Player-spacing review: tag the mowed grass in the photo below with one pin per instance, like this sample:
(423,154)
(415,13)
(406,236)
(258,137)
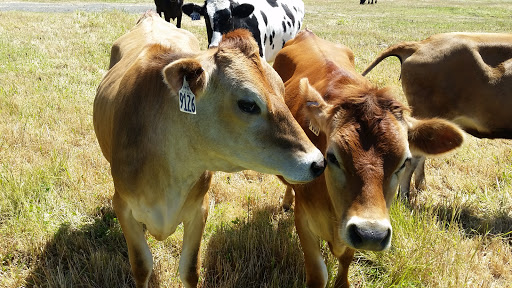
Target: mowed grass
(57,226)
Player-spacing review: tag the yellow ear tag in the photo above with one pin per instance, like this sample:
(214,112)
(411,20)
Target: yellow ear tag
(314,129)
(187,98)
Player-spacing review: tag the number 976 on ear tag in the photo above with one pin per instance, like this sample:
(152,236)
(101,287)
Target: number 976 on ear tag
(187,98)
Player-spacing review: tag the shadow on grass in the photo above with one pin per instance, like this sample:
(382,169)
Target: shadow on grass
(471,224)
(477,225)
(94,255)
(262,251)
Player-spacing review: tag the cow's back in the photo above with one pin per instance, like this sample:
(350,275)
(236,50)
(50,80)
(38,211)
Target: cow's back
(126,51)
(464,77)
(310,56)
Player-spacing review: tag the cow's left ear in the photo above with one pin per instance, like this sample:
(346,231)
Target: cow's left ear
(242,10)
(316,109)
(191,69)
(193,10)
(433,136)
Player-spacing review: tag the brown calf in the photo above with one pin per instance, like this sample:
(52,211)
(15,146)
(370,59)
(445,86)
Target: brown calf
(365,135)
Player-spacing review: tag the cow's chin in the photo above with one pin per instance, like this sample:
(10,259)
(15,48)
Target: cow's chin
(294,182)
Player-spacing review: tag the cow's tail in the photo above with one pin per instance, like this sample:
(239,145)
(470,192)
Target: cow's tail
(402,51)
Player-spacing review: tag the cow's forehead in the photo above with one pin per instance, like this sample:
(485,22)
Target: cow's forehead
(254,75)
(216,5)
(387,141)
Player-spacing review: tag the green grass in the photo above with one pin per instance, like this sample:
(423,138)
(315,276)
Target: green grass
(57,226)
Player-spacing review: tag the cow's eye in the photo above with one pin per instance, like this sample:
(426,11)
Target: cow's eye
(332,159)
(248,106)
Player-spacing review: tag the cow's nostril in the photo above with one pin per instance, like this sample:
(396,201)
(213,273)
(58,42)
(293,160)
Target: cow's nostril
(386,239)
(317,167)
(354,235)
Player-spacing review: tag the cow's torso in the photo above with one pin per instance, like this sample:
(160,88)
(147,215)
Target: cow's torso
(464,77)
(280,21)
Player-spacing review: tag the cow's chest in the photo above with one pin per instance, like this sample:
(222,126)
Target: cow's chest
(162,209)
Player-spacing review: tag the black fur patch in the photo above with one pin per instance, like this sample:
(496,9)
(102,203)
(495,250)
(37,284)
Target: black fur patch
(272,3)
(288,12)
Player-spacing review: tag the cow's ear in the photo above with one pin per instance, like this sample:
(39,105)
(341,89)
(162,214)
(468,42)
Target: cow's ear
(316,109)
(175,72)
(190,8)
(242,10)
(433,136)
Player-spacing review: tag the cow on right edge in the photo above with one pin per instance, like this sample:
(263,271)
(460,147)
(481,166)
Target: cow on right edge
(463,77)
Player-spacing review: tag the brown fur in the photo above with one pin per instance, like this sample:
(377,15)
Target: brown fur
(364,131)
(162,159)
(463,77)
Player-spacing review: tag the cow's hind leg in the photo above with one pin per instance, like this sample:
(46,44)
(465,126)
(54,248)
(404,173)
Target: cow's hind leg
(193,232)
(344,262)
(289,195)
(139,254)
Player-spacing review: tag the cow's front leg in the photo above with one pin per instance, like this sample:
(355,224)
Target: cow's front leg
(405,180)
(190,259)
(289,195)
(139,254)
(316,270)
(343,264)
(419,174)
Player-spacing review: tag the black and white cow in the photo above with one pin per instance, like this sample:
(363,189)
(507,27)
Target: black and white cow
(271,22)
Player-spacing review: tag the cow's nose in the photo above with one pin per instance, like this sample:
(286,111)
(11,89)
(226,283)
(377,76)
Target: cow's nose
(369,237)
(318,167)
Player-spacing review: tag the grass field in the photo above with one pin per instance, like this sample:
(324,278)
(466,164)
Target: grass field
(57,226)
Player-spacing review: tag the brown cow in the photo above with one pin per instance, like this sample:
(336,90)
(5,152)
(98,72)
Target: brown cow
(365,134)
(462,77)
(161,157)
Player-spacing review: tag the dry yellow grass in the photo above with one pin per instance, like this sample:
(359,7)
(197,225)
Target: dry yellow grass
(57,227)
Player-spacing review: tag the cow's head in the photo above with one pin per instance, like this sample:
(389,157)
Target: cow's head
(219,17)
(369,140)
(241,117)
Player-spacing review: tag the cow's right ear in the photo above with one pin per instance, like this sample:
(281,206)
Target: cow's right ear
(428,137)
(316,109)
(191,69)
(192,10)
(242,10)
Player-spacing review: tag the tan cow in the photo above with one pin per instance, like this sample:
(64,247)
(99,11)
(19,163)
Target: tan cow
(161,157)
(462,77)
(365,134)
